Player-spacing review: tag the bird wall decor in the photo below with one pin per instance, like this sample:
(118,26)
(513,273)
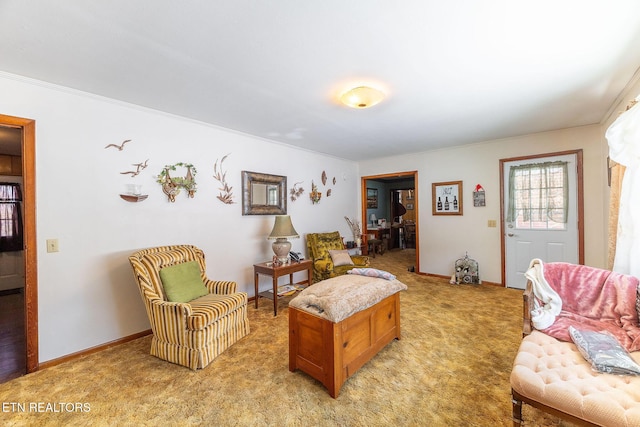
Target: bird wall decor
(139,168)
(119,147)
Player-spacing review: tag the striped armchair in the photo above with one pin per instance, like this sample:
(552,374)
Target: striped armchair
(190,334)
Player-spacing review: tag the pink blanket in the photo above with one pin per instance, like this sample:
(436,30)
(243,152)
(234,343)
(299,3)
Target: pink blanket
(596,300)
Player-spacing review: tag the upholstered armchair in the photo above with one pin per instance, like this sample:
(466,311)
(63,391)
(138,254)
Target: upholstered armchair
(319,246)
(194,332)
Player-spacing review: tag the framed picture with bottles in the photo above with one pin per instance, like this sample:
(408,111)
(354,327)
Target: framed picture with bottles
(446,198)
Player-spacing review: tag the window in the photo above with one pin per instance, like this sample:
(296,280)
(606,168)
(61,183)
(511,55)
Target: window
(10,217)
(538,196)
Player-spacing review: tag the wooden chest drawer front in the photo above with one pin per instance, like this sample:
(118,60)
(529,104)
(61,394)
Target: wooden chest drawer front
(311,329)
(384,319)
(362,330)
(366,332)
(356,335)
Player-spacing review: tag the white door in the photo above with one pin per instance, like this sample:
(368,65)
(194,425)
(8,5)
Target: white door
(543,196)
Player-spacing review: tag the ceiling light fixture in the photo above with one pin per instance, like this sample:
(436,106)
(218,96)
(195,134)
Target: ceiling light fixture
(361,97)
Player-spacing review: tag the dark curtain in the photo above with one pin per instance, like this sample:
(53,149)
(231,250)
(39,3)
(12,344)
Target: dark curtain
(10,217)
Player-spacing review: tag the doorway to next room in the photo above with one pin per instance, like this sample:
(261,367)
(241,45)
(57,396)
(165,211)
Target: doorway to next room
(390,213)
(18,263)
(12,278)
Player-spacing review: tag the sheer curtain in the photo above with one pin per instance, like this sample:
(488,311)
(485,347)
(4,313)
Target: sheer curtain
(624,148)
(10,217)
(538,192)
(616,172)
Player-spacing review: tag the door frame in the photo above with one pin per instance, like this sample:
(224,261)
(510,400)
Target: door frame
(580,203)
(416,204)
(28,127)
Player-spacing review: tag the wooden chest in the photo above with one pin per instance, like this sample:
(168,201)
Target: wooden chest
(333,352)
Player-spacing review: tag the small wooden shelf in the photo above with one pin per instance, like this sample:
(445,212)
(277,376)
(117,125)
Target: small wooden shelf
(134,198)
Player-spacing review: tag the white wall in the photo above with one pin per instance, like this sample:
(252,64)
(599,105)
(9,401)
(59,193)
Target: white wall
(443,239)
(86,292)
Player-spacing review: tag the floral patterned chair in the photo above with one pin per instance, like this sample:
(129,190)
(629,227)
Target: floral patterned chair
(325,266)
(195,332)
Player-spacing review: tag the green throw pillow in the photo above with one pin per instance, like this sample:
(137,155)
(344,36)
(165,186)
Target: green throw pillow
(182,282)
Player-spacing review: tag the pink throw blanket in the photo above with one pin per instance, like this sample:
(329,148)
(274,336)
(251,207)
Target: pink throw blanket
(594,299)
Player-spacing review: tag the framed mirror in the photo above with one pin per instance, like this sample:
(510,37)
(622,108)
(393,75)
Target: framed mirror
(263,194)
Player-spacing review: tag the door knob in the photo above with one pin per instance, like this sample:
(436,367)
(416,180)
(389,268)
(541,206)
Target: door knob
(510,234)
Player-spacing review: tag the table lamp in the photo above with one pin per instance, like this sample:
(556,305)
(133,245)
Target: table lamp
(373,219)
(282,230)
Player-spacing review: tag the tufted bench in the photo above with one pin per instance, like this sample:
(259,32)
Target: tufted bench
(551,374)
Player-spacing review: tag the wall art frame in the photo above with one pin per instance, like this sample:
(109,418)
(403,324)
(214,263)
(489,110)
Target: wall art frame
(372,198)
(446,198)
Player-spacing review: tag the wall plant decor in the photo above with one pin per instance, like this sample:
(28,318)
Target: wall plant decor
(225,196)
(296,191)
(315,195)
(171,185)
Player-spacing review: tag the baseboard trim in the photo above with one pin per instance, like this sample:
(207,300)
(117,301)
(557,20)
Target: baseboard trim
(96,349)
(442,276)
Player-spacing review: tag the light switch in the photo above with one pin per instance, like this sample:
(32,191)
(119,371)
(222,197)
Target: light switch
(52,245)
(492,223)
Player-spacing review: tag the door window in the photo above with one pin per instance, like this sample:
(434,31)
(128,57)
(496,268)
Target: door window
(538,196)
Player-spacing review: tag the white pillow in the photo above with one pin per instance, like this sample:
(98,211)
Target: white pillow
(340,257)
(372,272)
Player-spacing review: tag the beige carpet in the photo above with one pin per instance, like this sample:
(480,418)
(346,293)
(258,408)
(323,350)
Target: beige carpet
(451,368)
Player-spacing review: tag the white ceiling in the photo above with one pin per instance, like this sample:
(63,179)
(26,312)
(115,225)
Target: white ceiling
(455,72)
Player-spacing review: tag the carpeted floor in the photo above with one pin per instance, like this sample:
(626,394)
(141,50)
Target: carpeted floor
(451,368)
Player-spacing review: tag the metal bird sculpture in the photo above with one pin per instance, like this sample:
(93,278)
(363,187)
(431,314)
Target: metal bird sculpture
(119,147)
(139,168)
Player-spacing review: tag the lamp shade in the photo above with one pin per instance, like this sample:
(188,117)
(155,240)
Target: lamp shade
(283,228)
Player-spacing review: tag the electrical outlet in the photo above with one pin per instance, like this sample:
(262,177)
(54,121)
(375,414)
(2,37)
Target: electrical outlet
(492,223)
(52,245)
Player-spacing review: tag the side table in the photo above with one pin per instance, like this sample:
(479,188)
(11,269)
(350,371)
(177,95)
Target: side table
(267,269)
